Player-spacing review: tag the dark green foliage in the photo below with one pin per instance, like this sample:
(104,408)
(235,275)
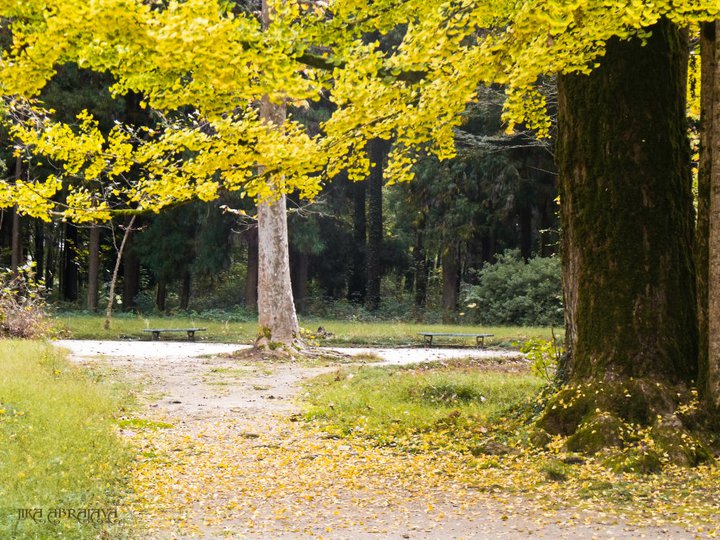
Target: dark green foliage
(518,293)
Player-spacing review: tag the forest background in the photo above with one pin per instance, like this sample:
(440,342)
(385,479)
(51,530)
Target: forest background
(425,250)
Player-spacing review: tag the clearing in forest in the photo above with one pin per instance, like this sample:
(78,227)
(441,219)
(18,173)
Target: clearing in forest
(225,451)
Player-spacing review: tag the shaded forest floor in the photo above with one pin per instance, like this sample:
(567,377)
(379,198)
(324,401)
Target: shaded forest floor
(223,452)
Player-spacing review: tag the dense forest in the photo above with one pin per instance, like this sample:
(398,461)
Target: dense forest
(411,249)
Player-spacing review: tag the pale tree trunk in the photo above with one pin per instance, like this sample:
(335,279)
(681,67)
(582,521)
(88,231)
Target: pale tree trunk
(93,268)
(116,270)
(709,377)
(276,310)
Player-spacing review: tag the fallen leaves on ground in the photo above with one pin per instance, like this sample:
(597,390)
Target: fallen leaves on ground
(244,476)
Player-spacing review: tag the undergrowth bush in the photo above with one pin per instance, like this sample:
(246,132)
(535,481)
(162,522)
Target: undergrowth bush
(23,311)
(514,292)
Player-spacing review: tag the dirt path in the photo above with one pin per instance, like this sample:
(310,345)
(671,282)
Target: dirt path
(222,458)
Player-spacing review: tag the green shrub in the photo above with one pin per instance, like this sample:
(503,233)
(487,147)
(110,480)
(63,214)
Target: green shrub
(514,292)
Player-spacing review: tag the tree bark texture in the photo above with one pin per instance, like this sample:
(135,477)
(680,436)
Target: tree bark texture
(627,220)
(276,308)
(378,150)
(93,268)
(709,201)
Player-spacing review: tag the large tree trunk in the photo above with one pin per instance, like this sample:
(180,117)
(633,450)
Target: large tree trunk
(627,228)
(378,150)
(93,268)
(358,272)
(709,219)
(276,309)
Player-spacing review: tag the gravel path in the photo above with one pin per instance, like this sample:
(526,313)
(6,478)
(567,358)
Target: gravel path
(241,469)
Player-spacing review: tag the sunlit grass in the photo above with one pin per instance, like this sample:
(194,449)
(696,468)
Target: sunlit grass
(411,405)
(59,447)
(343,333)
(471,422)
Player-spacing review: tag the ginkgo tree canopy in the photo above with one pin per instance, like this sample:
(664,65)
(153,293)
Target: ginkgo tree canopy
(203,66)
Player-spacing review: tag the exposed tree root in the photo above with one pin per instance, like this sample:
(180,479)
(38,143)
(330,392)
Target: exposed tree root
(634,425)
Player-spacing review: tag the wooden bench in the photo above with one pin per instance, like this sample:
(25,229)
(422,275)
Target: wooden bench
(479,338)
(157,331)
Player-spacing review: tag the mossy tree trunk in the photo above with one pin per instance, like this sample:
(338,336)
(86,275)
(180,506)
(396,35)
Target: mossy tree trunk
(93,268)
(708,259)
(377,151)
(627,220)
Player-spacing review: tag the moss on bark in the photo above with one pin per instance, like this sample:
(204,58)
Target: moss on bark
(626,205)
(627,217)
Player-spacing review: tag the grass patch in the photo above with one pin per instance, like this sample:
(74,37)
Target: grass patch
(343,333)
(471,423)
(59,447)
(437,404)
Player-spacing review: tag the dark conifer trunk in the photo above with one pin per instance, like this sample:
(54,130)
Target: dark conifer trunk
(39,248)
(525,219)
(16,255)
(299,267)
(627,227)
(421,270)
(131,276)
(451,282)
(70,268)
(161,295)
(93,268)
(185,290)
(52,257)
(358,265)
(378,150)
(251,279)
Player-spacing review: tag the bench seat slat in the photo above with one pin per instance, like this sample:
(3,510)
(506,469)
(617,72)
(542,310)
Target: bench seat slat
(479,337)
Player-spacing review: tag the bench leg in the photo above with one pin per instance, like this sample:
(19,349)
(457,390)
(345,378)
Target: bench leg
(480,342)
(156,336)
(191,335)
(428,341)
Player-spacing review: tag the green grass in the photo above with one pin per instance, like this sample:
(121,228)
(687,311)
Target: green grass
(417,406)
(345,333)
(59,448)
